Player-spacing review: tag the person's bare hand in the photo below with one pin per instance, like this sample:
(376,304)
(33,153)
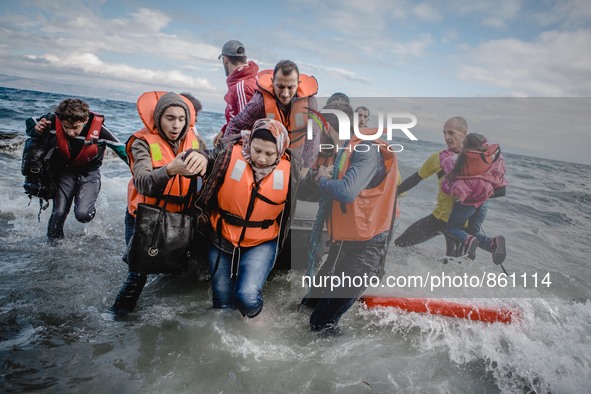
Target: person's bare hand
(323,171)
(177,166)
(42,125)
(196,163)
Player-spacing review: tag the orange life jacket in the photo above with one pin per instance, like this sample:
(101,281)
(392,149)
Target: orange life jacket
(479,162)
(89,150)
(296,121)
(328,160)
(161,153)
(146,104)
(371,212)
(249,214)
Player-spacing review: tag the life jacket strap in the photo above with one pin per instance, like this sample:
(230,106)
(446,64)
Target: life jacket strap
(236,220)
(265,199)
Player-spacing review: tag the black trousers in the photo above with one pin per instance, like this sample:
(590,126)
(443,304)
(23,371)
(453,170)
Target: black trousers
(423,230)
(130,292)
(80,188)
(349,261)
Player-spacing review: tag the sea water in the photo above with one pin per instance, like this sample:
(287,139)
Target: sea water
(56,334)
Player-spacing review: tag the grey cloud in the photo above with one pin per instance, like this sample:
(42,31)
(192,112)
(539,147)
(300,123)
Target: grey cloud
(555,64)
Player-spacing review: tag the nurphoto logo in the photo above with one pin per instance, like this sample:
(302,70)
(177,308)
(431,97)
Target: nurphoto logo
(365,134)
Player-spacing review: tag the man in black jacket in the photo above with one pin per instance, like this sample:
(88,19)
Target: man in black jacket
(76,160)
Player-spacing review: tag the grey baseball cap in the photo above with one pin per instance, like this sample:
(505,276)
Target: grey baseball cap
(233,48)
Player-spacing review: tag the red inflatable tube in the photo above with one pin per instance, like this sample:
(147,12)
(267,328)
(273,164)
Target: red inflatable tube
(444,308)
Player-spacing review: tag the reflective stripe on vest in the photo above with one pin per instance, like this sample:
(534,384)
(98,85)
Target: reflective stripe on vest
(238,194)
(161,154)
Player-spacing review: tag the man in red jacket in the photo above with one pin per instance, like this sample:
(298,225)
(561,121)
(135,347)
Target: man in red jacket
(241,78)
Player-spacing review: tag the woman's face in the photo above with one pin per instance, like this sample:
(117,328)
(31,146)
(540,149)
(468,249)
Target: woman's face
(263,153)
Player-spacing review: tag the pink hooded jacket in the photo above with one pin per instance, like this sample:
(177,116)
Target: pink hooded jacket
(471,190)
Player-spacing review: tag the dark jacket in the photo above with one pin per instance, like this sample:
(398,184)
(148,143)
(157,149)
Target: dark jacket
(74,144)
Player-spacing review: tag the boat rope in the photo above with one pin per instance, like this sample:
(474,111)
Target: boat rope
(315,234)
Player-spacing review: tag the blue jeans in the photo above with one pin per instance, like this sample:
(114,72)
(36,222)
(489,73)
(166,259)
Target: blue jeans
(244,288)
(475,217)
(129,225)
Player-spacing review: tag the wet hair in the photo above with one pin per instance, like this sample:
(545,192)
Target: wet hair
(362,108)
(338,96)
(72,110)
(286,67)
(196,103)
(332,118)
(263,134)
(472,141)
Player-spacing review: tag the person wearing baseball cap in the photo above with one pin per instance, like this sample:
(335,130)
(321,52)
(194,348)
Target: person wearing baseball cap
(233,48)
(240,78)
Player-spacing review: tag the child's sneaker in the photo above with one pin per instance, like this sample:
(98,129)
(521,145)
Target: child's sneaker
(498,250)
(471,246)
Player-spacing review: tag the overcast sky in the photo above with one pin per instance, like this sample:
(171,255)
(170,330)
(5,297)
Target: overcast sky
(389,48)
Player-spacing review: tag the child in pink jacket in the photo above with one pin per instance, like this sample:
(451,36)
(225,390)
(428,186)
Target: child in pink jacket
(473,176)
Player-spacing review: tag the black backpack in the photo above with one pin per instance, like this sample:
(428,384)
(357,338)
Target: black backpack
(36,167)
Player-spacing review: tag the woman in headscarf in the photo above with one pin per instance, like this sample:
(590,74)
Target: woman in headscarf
(252,203)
